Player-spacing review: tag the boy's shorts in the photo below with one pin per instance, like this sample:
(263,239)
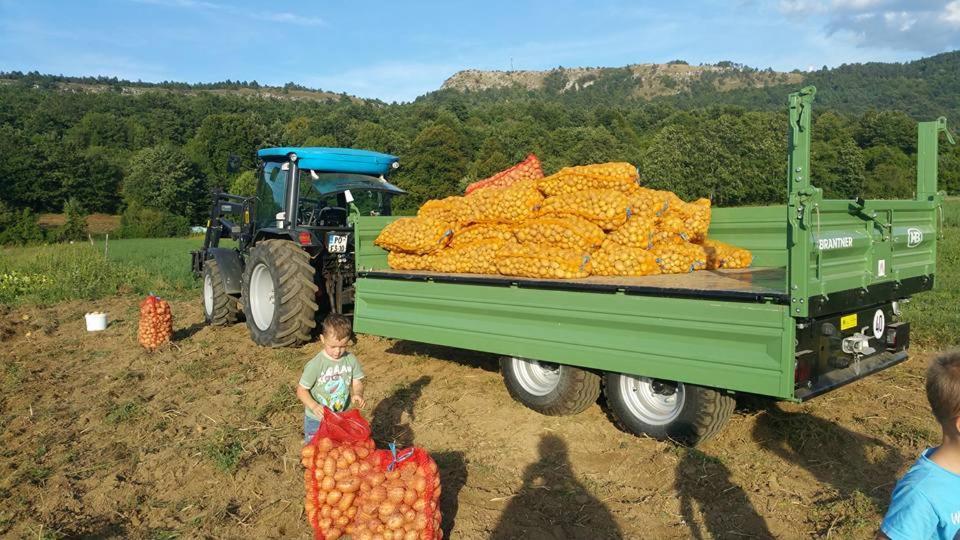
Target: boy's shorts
(310,426)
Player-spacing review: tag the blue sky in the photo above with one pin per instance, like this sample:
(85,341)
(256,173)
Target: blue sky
(396,51)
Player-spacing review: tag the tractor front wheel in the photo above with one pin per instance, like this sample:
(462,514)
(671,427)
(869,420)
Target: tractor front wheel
(219,308)
(279,294)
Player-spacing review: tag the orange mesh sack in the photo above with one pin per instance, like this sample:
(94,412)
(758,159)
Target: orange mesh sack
(482,232)
(637,232)
(418,236)
(156,323)
(619,176)
(528,169)
(407,261)
(336,460)
(690,220)
(475,258)
(399,497)
(679,258)
(608,208)
(614,259)
(723,255)
(562,231)
(542,261)
(508,205)
(650,201)
(452,210)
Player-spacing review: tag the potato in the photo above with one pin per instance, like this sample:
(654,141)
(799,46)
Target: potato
(333,497)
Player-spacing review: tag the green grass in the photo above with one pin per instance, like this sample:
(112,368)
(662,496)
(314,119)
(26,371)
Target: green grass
(934,317)
(224,449)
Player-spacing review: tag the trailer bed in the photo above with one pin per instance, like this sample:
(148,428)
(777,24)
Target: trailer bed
(760,284)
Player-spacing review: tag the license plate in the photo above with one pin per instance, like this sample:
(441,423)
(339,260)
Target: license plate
(337,243)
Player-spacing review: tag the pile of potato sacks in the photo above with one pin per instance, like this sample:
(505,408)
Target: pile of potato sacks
(355,491)
(582,221)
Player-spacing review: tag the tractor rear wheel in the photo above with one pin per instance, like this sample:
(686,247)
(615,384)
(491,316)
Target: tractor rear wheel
(279,294)
(219,308)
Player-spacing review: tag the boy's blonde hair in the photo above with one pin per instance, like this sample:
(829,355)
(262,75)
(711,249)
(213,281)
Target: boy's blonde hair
(337,326)
(943,386)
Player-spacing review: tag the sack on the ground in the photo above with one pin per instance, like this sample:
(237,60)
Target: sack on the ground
(418,236)
(562,231)
(483,232)
(508,205)
(680,257)
(156,323)
(618,176)
(542,261)
(608,208)
(528,169)
(334,460)
(399,497)
(723,255)
(614,259)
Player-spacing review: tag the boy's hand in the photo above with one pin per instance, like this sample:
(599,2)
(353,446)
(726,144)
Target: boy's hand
(358,401)
(318,410)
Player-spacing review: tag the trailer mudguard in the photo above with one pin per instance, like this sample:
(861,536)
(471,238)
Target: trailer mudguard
(230,265)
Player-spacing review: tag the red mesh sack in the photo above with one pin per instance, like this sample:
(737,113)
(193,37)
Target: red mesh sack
(528,169)
(156,323)
(400,497)
(335,459)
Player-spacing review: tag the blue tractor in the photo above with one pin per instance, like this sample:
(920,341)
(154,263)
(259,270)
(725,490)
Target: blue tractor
(292,257)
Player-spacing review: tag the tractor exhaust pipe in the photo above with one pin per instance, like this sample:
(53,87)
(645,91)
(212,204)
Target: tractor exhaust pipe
(292,206)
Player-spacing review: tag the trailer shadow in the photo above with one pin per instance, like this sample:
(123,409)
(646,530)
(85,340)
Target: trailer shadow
(850,462)
(551,503)
(484,361)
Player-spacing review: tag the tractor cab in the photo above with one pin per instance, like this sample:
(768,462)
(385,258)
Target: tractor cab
(294,256)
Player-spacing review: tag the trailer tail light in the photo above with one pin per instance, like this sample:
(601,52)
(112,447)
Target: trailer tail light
(305,238)
(897,337)
(802,368)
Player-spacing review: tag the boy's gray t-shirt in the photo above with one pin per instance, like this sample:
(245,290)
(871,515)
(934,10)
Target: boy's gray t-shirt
(329,381)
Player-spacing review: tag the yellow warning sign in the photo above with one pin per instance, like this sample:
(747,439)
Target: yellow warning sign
(848,321)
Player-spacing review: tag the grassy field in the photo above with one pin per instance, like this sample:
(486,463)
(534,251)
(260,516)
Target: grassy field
(45,275)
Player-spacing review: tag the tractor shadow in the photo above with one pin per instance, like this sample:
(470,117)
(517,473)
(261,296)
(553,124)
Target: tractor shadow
(181,334)
(552,504)
(484,361)
(390,423)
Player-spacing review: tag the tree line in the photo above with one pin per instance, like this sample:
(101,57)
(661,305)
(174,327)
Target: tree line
(154,155)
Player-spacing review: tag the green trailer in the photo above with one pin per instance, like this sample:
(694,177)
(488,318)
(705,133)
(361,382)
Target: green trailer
(820,307)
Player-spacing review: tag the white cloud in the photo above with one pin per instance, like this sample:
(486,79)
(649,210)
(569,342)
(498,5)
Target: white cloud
(951,13)
(282,17)
(856,4)
(791,7)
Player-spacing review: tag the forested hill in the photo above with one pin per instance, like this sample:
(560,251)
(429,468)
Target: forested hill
(152,152)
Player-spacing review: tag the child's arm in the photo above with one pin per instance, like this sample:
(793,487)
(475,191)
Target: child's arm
(356,393)
(304,396)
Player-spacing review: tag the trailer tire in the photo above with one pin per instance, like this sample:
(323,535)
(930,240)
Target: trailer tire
(279,294)
(551,389)
(684,413)
(219,308)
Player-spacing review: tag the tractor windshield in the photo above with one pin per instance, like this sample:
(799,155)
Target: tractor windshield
(331,183)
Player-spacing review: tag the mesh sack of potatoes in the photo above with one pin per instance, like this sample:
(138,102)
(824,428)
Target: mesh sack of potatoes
(476,258)
(637,232)
(452,210)
(561,231)
(723,255)
(614,259)
(608,208)
(528,169)
(540,261)
(690,220)
(650,201)
(481,232)
(407,261)
(508,205)
(415,235)
(619,176)
(680,257)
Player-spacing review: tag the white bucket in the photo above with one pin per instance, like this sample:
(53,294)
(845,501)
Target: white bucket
(96,321)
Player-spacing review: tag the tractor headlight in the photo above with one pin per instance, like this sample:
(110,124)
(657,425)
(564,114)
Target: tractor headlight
(292,157)
(395,165)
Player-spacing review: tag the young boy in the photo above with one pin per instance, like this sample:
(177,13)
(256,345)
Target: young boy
(926,501)
(333,378)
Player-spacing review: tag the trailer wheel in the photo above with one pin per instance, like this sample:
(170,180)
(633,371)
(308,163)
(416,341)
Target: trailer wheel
(279,294)
(551,389)
(219,308)
(684,413)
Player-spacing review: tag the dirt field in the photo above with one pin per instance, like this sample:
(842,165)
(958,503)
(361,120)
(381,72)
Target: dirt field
(201,440)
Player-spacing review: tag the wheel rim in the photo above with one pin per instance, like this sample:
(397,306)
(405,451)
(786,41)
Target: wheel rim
(646,404)
(537,378)
(208,295)
(261,296)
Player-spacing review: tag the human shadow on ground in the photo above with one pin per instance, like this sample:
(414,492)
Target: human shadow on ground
(552,504)
(390,423)
(849,461)
(485,361)
(724,505)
